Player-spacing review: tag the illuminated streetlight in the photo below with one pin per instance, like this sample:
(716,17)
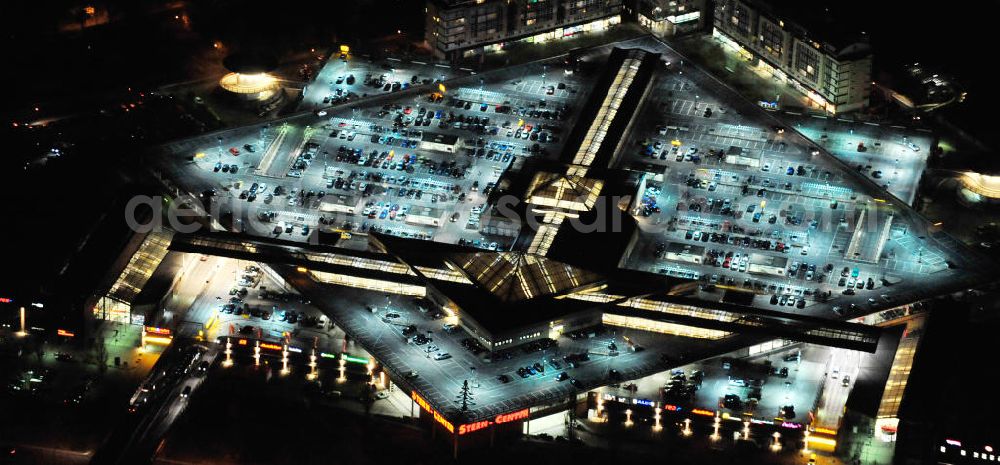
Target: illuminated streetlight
(628,417)
(656,420)
(256,354)
(284,360)
(342,369)
(312,367)
(746,430)
(776,445)
(229,354)
(805,443)
(715,433)
(23,332)
(687,427)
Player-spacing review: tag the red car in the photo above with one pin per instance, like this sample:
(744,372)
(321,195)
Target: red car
(234,151)
(407,110)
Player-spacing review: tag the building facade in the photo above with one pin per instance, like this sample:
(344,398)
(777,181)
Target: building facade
(669,18)
(803,48)
(463,28)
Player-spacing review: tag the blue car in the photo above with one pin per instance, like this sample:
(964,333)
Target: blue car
(382,215)
(790,171)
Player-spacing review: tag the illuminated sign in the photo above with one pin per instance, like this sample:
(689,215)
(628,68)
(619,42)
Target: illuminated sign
(345,48)
(953,442)
(823,441)
(826,431)
(437,416)
(63,332)
(672,408)
(295,349)
(268,345)
(498,420)
(6,300)
(768,105)
(473,426)
(791,425)
(243,342)
(353,359)
(707,413)
(509,417)
(647,403)
(327,355)
(161,331)
(157,340)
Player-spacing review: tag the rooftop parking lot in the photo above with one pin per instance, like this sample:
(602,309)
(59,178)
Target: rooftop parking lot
(891,156)
(382,325)
(347,78)
(417,165)
(732,197)
(758,387)
(736,199)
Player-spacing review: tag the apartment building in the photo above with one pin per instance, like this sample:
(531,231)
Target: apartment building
(669,18)
(462,28)
(803,44)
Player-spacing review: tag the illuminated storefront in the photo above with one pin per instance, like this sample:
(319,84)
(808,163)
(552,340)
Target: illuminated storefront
(369,283)
(116,304)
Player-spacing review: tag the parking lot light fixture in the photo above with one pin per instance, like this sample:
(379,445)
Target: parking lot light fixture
(312,367)
(628,417)
(656,420)
(23,332)
(687,427)
(776,445)
(229,354)
(343,369)
(715,434)
(805,442)
(284,360)
(746,430)
(256,354)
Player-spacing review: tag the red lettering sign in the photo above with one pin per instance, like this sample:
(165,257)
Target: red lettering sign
(63,332)
(509,417)
(437,416)
(474,426)
(163,331)
(707,413)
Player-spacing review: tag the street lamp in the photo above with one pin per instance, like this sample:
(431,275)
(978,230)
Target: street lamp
(312,366)
(229,354)
(284,360)
(23,332)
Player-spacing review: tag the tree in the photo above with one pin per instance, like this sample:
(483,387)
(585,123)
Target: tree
(465,395)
